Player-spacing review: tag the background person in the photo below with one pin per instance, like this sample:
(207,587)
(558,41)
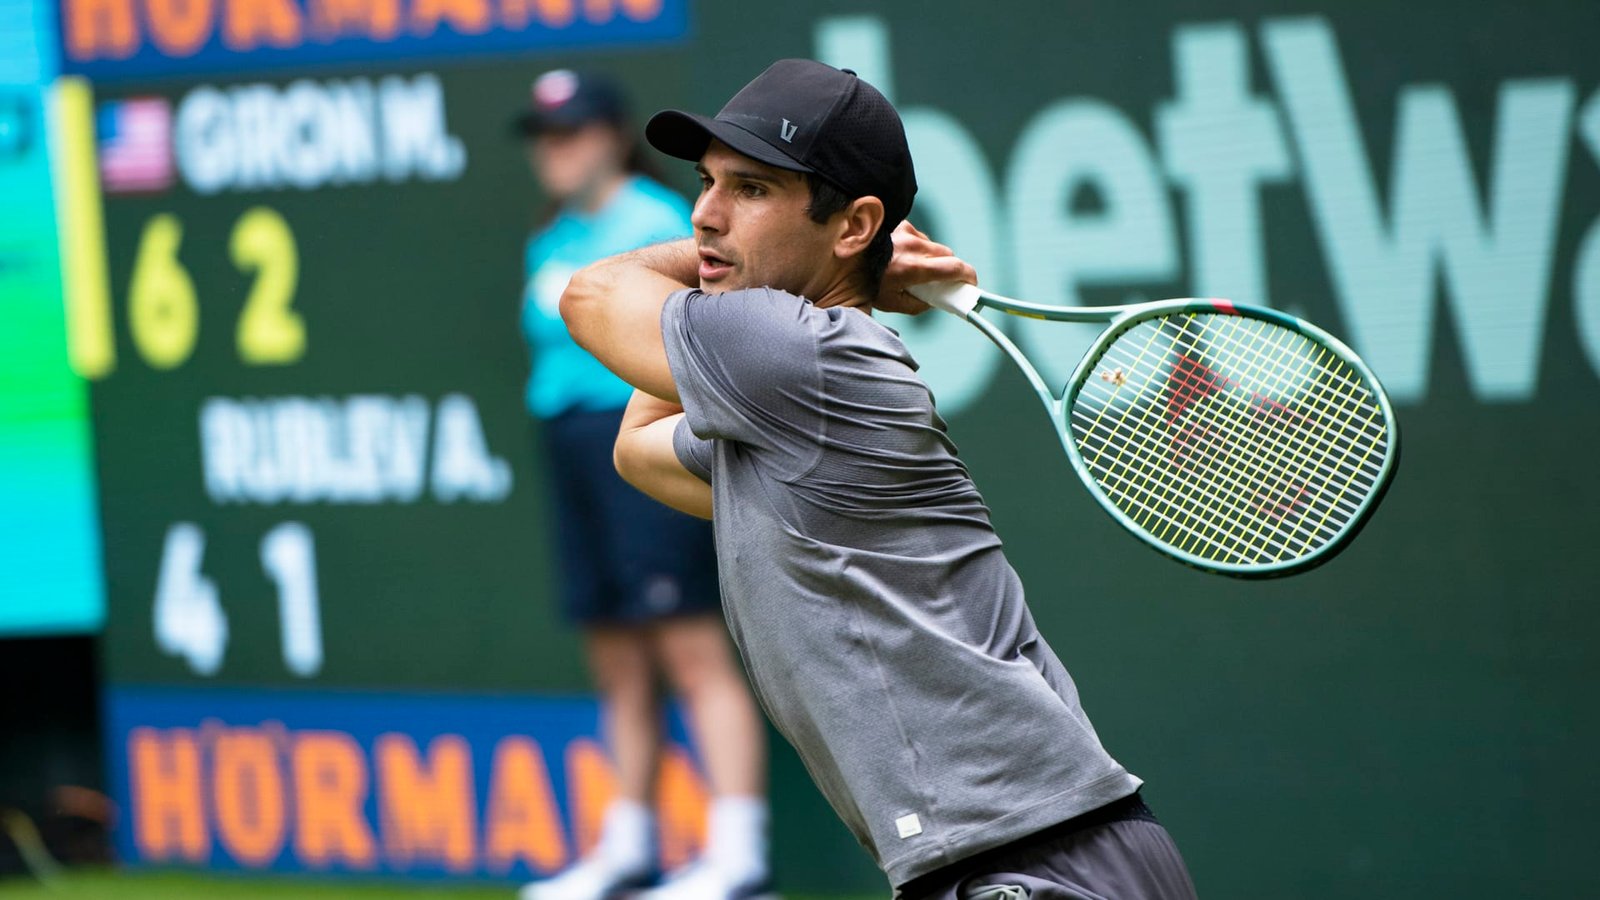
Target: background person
(638,578)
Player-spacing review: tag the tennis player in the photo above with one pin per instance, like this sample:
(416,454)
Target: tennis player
(881,624)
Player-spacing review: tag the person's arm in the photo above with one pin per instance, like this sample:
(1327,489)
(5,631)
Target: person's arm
(646,458)
(613,310)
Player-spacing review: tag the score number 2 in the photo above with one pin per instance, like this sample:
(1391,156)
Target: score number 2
(190,622)
(164,311)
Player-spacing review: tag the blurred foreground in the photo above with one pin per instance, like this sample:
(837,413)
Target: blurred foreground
(128,886)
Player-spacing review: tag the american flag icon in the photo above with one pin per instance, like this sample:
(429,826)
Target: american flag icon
(135,138)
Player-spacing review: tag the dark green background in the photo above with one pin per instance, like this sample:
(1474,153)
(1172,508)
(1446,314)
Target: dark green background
(1416,719)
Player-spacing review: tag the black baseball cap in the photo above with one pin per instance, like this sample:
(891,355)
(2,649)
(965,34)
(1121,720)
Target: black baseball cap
(804,116)
(563,99)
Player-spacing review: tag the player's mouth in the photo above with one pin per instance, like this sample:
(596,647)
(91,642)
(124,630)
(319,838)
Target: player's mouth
(713,267)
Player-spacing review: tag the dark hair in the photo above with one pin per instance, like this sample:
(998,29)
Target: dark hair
(826,202)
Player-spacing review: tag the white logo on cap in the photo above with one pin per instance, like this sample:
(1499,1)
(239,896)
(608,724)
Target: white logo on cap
(788,131)
(555,88)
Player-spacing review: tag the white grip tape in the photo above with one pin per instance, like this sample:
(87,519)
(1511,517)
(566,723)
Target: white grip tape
(955,297)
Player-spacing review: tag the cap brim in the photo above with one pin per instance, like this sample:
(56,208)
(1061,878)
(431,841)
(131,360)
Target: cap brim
(686,135)
(526,124)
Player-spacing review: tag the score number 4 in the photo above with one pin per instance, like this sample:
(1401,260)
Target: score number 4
(164,311)
(190,622)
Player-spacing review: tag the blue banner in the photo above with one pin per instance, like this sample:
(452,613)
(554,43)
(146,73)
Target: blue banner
(416,786)
(111,40)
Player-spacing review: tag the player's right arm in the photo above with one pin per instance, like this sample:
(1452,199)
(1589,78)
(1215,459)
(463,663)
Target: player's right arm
(647,458)
(613,310)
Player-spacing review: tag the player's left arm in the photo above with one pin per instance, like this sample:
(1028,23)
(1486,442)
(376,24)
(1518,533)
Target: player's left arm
(613,310)
(646,456)
(918,259)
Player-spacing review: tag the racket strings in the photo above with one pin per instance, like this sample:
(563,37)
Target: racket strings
(1295,457)
(1349,411)
(1230,437)
(1202,521)
(1265,498)
(1300,442)
(1167,492)
(1159,501)
(1292,458)
(1183,394)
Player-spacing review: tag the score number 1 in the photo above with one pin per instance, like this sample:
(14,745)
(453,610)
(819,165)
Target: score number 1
(189,619)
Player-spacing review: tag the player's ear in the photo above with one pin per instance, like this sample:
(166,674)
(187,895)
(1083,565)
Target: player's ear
(859,222)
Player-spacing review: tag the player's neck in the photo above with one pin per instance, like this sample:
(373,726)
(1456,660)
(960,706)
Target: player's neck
(846,292)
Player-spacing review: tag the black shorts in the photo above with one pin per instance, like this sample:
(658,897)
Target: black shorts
(624,558)
(1117,852)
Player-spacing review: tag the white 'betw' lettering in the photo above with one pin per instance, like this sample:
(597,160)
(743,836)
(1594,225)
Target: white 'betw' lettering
(1219,143)
(1497,272)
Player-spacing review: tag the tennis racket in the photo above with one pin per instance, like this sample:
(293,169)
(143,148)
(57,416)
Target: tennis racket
(1236,439)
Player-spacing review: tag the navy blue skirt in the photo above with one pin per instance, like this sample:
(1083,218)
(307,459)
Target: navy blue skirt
(624,558)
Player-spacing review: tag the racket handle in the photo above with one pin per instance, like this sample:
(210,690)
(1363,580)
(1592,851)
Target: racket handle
(955,297)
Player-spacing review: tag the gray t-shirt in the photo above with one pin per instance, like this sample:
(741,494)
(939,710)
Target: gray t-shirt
(883,629)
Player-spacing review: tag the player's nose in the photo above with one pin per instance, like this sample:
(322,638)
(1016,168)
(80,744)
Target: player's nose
(708,214)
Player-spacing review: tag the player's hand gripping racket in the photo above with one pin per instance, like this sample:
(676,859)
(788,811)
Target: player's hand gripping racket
(1236,439)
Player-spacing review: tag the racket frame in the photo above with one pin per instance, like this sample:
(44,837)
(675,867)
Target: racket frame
(965,301)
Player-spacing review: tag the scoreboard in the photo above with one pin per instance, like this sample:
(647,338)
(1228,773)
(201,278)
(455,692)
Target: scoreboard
(295,292)
(309,399)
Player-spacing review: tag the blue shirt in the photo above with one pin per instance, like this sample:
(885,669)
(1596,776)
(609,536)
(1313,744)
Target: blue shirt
(565,377)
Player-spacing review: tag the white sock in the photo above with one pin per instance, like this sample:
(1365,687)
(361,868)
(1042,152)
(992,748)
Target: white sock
(737,840)
(627,837)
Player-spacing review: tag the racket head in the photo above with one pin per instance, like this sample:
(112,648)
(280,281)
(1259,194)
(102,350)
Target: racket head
(1236,439)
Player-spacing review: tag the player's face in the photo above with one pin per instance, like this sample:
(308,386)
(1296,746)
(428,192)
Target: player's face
(752,229)
(571,163)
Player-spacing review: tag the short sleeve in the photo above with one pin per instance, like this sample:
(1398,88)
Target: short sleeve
(694,452)
(746,367)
